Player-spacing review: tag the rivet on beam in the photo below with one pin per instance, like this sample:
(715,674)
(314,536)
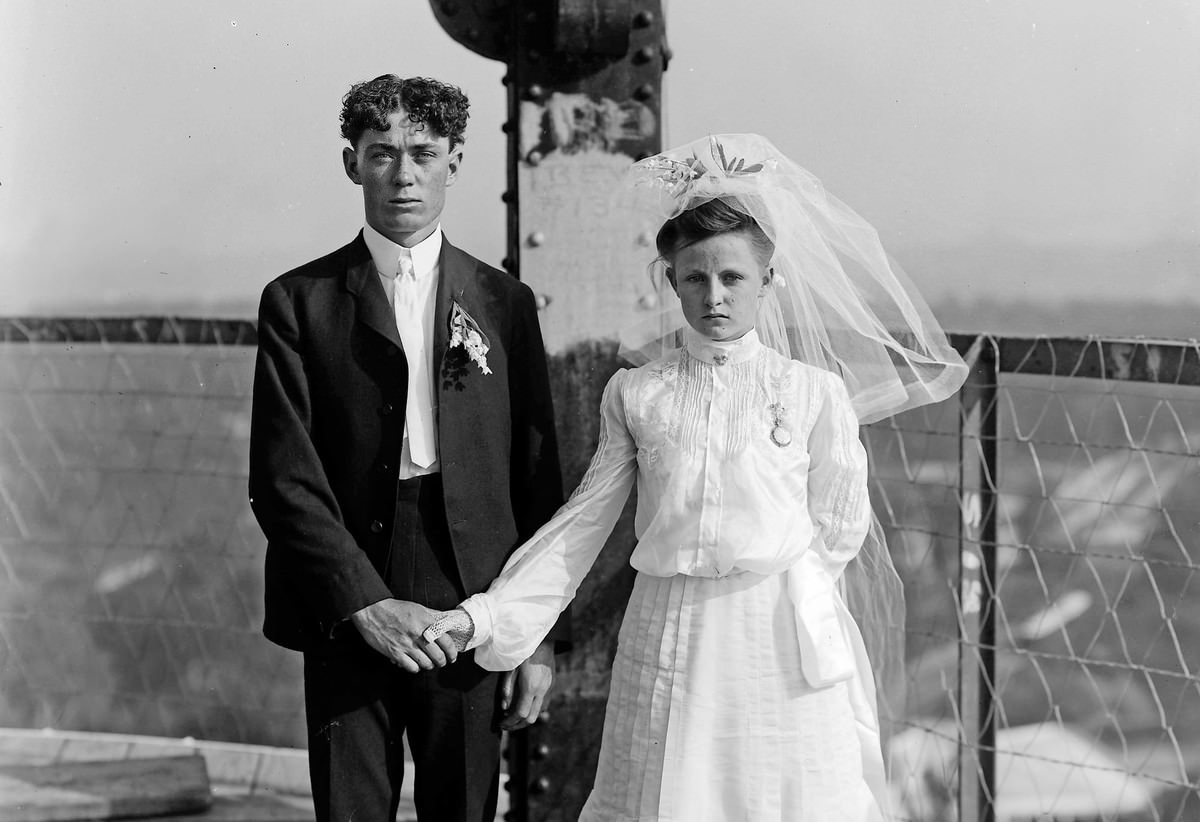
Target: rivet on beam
(507,264)
(534,158)
(544,716)
(506,126)
(541,751)
(541,785)
(644,55)
(534,55)
(542,301)
(536,92)
(537,238)
(643,92)
(648,302)
(643,19)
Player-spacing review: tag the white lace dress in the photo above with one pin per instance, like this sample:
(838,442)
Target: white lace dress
(740,689)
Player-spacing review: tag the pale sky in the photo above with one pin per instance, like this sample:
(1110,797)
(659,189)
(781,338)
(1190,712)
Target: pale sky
(161,155)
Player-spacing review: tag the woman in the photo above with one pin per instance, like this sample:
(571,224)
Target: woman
(741,689)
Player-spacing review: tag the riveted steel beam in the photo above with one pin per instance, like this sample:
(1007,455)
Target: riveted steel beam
(584,86)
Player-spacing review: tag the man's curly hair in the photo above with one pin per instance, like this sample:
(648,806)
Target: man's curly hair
(440,106)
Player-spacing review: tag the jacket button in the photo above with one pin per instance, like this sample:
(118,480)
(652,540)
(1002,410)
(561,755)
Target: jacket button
(376,526)
(387,409)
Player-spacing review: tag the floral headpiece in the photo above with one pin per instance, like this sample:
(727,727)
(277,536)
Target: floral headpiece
(684,179)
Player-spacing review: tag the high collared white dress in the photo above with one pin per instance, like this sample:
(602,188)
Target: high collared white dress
(740,689)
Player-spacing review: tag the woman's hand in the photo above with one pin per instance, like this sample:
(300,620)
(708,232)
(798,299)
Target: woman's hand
(455,627)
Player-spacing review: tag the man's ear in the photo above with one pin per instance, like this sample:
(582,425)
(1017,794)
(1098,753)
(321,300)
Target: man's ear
(350,163)
(455,160)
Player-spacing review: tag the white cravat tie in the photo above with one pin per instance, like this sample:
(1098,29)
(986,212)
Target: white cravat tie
(418,411)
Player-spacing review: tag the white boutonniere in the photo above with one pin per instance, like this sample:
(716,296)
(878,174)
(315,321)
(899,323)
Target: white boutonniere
(465,333)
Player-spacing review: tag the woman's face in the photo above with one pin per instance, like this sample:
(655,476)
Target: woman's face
(719,281)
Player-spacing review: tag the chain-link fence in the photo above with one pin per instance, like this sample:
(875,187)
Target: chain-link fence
(130,565)
(1049,554)
(1044,524)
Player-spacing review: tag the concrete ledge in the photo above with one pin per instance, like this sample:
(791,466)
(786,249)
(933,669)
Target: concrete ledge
(251,783)
(249,768)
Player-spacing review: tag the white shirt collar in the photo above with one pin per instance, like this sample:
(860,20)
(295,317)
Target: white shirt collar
(723,352)
(386,253)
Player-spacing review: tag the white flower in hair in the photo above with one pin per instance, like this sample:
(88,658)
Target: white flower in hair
(690,177)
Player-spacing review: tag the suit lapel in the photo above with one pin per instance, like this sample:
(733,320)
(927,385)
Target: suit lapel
(457,433)
(371,303)
(456,283)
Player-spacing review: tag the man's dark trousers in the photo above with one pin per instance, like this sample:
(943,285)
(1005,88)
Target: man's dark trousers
(358,703)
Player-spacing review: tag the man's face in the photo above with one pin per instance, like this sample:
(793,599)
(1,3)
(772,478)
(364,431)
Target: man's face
(720,281)
(404,172)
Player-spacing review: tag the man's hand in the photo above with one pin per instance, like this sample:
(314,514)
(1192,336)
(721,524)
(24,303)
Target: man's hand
(393,628)
(522,691)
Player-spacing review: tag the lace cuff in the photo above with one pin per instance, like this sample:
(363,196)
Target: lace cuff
(457,624)
(479,609)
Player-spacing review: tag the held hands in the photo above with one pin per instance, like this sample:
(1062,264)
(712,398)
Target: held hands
(393,628)
(523,691)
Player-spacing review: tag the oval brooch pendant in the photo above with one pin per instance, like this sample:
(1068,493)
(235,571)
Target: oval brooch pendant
(781,436)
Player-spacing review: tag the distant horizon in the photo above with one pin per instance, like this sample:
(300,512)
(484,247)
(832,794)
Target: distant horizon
(993,284)
(988,286)
(1153,319)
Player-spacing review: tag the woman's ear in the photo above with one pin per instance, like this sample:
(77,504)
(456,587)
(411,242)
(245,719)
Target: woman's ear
(768,275)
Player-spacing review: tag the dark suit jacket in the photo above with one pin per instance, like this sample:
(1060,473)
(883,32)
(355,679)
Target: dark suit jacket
(328,420)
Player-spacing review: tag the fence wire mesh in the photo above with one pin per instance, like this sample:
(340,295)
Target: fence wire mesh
(1091,692)
(130,566)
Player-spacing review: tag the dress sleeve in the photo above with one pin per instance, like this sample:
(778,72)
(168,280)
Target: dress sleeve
(837,484)
(541,577)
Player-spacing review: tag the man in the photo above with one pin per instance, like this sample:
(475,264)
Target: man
(402,444)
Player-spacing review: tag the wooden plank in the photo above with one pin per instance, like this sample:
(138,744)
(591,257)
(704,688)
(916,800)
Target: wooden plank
(104,790)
